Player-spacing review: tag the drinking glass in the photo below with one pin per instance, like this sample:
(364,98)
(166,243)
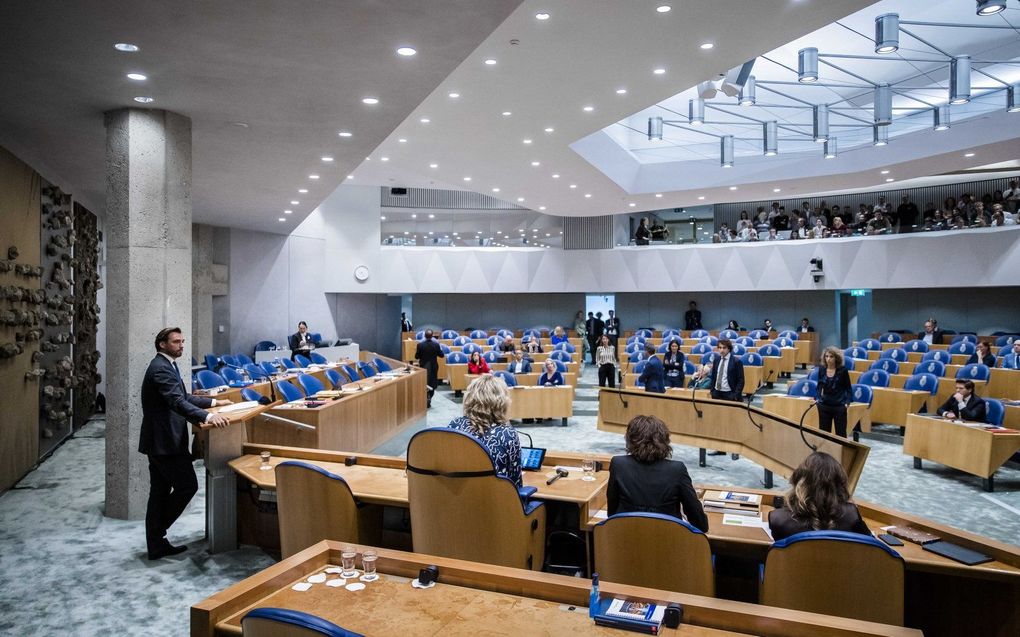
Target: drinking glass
(347,556)
(368,559)
(588,466)
(265,466)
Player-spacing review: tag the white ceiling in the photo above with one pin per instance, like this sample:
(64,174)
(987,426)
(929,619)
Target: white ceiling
(294,71)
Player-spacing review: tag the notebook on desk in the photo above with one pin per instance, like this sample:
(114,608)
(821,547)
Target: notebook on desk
(957,553)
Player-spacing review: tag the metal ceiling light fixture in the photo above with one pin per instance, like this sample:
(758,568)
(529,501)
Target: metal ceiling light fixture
(887,33)
(829,149)
(696,112)
(821,123)
(941,117)
(883,105)
(990,7)
(654,128)
(1011,93)
(747,93)
(880,135)
(726,151)
(959,80)
(770,138)
(807,65)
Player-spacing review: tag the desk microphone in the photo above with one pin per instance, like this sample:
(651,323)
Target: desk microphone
(560,473)
(812,447)
(531,443)
(757,425)
(694,402)
(261,374)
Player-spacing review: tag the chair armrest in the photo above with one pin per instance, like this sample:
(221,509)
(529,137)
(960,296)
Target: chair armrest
(526,492)
(531,506)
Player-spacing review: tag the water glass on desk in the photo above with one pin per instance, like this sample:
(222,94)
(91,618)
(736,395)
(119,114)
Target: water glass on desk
(265,466)
(368,560)
(347,556)
(588,466)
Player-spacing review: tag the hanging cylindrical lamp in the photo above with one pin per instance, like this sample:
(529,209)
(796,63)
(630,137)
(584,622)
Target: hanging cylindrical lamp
(821,123)
(887,33)
(726,151)
(829,149)
(654,128)
(880,135)
(959,80)
(807,65)
(770,138)
(696,112)
(747,92)
(941,117)
(883,105)
(990,7)
(1011,94)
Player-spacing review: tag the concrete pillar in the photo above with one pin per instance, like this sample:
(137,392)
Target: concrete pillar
(148,235)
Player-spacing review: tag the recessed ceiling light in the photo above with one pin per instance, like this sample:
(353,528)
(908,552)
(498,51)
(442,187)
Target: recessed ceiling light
(507,113)
(573,185)
(549,129)
(240,124)
(525,141)
(402,140)
(432,216)
(542,208)
(287,212)
(383,218)
(701,198)
(707,45)
(350,176)
(384,159)
(344,133)
(302,190)
(313,176)
(406,51)
(327,159)
(659,195)
(126,47)
(890,179)
(632,204)
(414,216)
(138,77)
(536,163)
(777,190)
(520,199)
(425,120)
(659,71)
(433,165)
(295,202)
(369,100)
(621,91)
(145,100)
(495,190)
(587,195)
(968,154)
(733,187)
(556,176)
(885,172)
(588,109)
(542,16)
(281,219)
(664,8)
(454,95)
(490,62)
(467,179)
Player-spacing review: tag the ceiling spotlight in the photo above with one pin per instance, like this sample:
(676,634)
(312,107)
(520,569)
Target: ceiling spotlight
(507,113)
(556,176)
(665,8)
(573,185)
(520,199)
(295,203)
(959,80)
(880,135)
(701,198)
(621,91)
(747,92)
(138,77)
(281,219)
(327,159)
(370,100)
(696,112)
(433,165)
(287,212)
(126,47)
(883,105)
(542,208)
(414,216)
(733,187)
(990,7)
(726,151)
(1011,93)
(549,129)
(889,179)
(350,176)
(829,150)
(495,190)
(302,190)
(807,65)
(542,16)
(454,95)
(968,154)
(770,138)
(887,33)
(432,216)
(588,109)
(940,116)
(313,176)
(654,128)
(658,195)
(526,141)
(587,195)
(536,163)
(884,172)
(344,133)
(659,71)
(777,190)
(467,179)
(705,46)
(490,62)
(424,120)
(401,141)
(632,204)
(821,123)
(406,51)
(384,159)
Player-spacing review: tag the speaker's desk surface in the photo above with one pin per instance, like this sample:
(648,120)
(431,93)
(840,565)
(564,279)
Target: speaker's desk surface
(858,415)
(476,599)
(970,447)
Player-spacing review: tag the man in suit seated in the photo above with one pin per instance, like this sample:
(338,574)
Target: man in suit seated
(508,347)
(931,335)
(519,364)
(653,376)
(1012,360)
(964,404)
(727,373)
(166,410)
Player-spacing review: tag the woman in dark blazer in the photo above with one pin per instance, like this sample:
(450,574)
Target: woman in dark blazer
(646,480)
(834,391)
(818,500)
(983,355)
(551,377)
(673,363)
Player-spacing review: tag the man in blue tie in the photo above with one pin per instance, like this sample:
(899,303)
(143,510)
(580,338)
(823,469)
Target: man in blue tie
(166,410)
(1012,360)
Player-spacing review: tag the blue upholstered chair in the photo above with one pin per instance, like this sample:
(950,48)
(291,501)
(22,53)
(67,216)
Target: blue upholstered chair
(758,334)
(269,367)
(561,355)
(1005,340)
(265,346)
(808,388)
(637,346)
(671,332)
(707,358)
(891,337)
(506,377)
(493,340)
(974,371)
(230,375)
(962,347)
(335,379)
(939,355)
(230,359)
(662,348)
(290,392)
(738,349)
(460,341)
(244,359)
(644,331)
(565,347)
(211,362)
(207,379)
(663,552)
(419,335)
(931,367)
(862,393)
(699,333)
(457,358)
(310,384)
(285,363)
(1005,350)
(995,412)
(855,353)
(897,354)
(467,348)
(638,367)
(870,344)
(689,367)
(318,358)
(783,342)
(875,378)
(449,334)
(922,382)
(887,365)
(709,339)
(502,333)
(366,370)
(916,345)
(561,367)
(381,365)
(701,348)
(250,395)
(770,350)
(813,374)
(492,356)
(746,341)
(636,356)
(790,334)
(444,348)
(271,622)
(479,334)
(255,372)
(752,359)
(959,338)
(730,334)
(302,361)
(316,338)
(351,372)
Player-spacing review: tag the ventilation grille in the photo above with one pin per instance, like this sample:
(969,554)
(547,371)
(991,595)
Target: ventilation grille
(588,233)
(442,199)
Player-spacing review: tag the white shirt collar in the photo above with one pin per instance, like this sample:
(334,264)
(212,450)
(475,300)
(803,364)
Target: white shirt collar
(167,356)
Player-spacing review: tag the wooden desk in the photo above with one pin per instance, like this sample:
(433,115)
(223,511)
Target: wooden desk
(727,426)
(753,378)
(458,378)
(542,402)
(479,599)
(858,415)
(968,448)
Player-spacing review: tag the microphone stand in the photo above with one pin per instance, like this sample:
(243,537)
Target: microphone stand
(800,425)
(531,443)
(757,425)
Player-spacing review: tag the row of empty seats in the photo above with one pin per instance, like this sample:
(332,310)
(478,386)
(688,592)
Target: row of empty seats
(963,346)
(1001,338)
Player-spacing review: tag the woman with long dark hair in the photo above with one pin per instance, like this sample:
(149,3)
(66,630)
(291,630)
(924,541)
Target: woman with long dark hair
(673,362)
(834,391)
(818,500)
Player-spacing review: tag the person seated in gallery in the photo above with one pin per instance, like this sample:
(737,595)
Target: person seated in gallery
(646,480)
(818,500)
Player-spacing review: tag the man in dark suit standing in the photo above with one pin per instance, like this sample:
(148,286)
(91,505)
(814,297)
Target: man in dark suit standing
(613,328)
(653,376)
(964,404)
(589,331)
(931,334)
(727,373)
(166,410)
(405,323)
(428,354)
(692,318)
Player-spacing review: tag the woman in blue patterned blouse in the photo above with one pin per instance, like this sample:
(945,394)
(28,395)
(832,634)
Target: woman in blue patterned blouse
(486,404)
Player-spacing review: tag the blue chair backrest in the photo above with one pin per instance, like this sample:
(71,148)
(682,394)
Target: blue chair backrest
(269,367)
(922,382)
(636,356)
(739,349)
(318,358)
(939,355)
(255,371)
(853,353)
(662,348)
(699,333)
(870,344)
(211,362)
(711,340)
(492,356)
(887,365)
(896,354)
(527,338)
(730,334)
(208,380)
(638,367)
(891,337)
(366,370)
(449,334)
(351,372)
(420,335)
(935,368)
(503,333)
(533,332)
(310,384)
(335,379)
(769,350)
(757,334)
(813,374)
(963,347)
(265,346)
(565,347)
(456,358)
(638,346)
(746,341)
(249,394)
(840,536)
(561,367)
(1005,350)
(494,340)
(285,363)
(783,342)
(862,393)
(707,359)
(316,337)
(875,378)
(230,375)
(294,619)
(289,391)
(752,359)
(916,345)
(462,340)
(671,333)
(244,359)
(230,359)
(561,355)
(471,347)
(382,365)
(790,334)
(636,338)
(689,367)
(974,371)
(644,331)
(1006,340)
(506,377)
(959,338)
(479,334)
(995,412)
(302,361)
(701,348)
(803,388)
(445,349)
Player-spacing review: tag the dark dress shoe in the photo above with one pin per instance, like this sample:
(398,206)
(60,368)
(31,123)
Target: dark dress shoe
(165,551)
(717,453)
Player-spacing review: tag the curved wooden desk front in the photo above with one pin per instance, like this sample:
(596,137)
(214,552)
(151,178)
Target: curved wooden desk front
(728,426)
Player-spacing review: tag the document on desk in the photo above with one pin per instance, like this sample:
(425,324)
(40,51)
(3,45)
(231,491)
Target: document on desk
(730,519)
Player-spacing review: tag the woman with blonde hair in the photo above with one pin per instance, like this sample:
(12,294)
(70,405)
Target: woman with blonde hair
(818,500)
(834,391)
(486,404)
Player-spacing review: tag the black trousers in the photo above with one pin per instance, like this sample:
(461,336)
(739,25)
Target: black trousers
(607,375)
(592,345)
(829,413)
(674,381)
(725,395)
(172,484)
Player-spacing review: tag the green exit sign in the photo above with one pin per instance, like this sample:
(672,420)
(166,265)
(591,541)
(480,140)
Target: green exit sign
(858,292)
